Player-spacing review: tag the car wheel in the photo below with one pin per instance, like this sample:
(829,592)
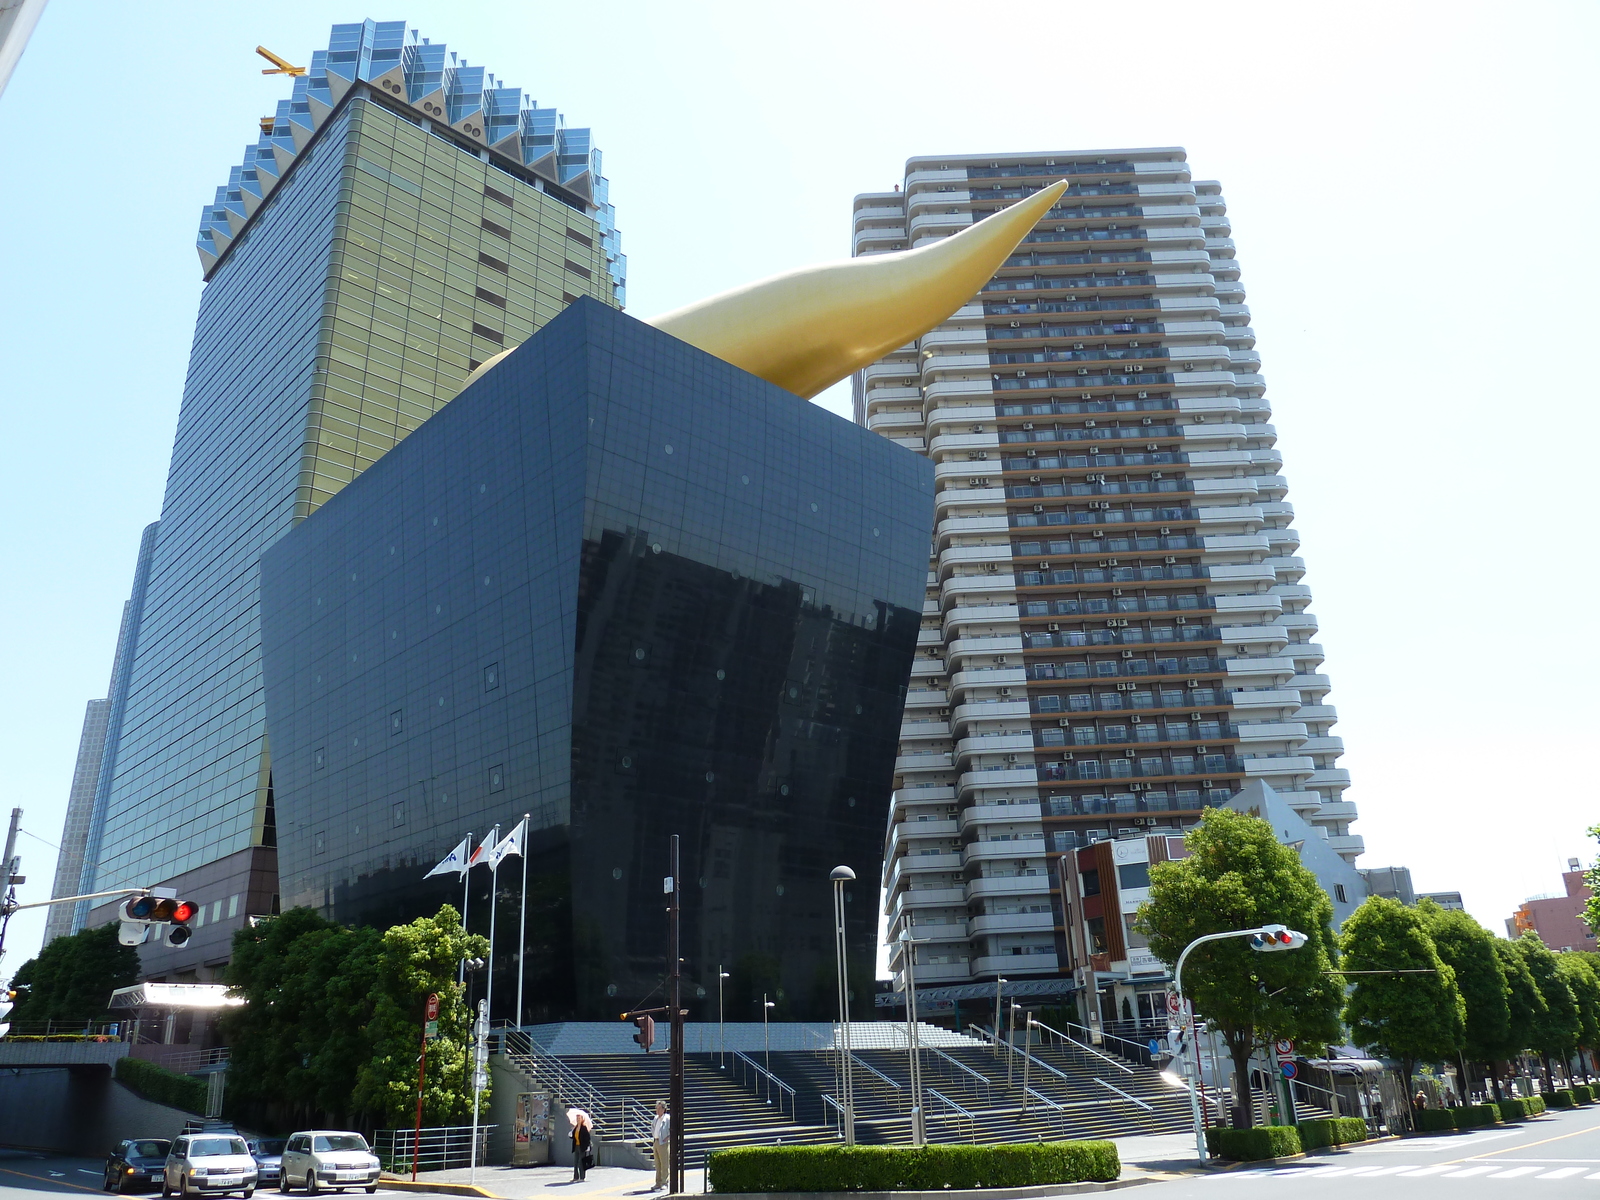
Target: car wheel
(284,1185)
(248,1192)
(183,1185)
(311,1183)
(371,1187)
(165,1190)
(121,1185)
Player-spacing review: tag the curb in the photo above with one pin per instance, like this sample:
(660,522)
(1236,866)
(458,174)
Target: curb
(1018,1193)
(395,1183)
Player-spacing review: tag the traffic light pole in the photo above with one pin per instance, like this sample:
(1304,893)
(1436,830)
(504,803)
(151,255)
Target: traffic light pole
(674,1002)
(1188,1010)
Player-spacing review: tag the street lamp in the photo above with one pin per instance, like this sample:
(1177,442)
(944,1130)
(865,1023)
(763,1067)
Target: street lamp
(766,1007)
(998,984)
(1011,1038)
(919,1134)
(1266,938)
(841,876)
(722,1050)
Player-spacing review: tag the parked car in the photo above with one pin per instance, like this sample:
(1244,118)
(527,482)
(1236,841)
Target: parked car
(328,1158)
(209,1164)
(136,1163)
(268,1153)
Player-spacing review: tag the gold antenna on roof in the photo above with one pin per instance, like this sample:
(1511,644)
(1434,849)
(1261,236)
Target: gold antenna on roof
(280,66)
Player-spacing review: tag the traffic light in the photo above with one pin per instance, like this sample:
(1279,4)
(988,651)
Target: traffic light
(8,998)
(1277,937)
(159,910)
(647,1032)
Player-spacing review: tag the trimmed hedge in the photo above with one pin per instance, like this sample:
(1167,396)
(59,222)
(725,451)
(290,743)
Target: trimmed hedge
(1433,1120)
(1253,1145)
(908,1168)
(1331,1131)
(1560,1098)
(161,1085)
(1583,1093)
(1471,1116)
(1517,1110)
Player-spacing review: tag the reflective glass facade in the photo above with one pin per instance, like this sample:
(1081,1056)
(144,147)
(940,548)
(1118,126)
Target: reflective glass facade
(354,296)
(630,590)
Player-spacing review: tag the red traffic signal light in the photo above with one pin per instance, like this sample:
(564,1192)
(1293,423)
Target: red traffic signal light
(647,1032)
(182,911)
(1277,937)
(163,910)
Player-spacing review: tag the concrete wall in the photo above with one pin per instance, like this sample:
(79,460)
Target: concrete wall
(77,1110)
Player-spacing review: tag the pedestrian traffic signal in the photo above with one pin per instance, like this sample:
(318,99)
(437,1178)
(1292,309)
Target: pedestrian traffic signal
(647,1032)
(1277,937)
(162,910)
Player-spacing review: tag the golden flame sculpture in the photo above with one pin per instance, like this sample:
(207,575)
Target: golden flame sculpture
(809,328)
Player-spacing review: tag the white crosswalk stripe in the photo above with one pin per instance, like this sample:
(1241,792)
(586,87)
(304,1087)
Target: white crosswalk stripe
(1563,1173)
(1514,1173)
(1469,1172)
(1421,1171)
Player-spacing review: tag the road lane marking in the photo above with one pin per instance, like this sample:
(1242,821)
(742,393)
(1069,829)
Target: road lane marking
(1514,1173)
(1560,1137)
(1469,1172)
(86,1171)
(46,1179)
(1421,1171)
(1563,1173)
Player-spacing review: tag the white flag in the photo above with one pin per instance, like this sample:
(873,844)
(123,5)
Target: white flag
(511,845)
(454,862)
(485,847)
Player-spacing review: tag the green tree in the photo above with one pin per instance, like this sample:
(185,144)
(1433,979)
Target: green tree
(1524,1004)
(415,960)
(1415,1018)
(332,1024)
(1591,908)
(1238,876)
(1468,949)
(1556,1026)
(71,981)
(1585,988)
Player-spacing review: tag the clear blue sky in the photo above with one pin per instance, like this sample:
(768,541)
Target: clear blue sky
(1413,193)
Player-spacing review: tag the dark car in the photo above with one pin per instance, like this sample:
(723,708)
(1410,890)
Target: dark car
(136,1164)
(268,1153)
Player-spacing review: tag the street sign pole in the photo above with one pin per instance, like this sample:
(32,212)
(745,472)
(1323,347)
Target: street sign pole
(430,1013)
(480,1063)
(674,1001)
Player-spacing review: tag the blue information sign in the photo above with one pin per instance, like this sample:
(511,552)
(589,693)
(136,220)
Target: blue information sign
(1289,1069)
(1155,1046)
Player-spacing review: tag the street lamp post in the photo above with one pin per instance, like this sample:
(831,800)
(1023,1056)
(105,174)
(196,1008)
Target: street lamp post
(998,984)
(1011,1039)
(1027,1059)
(841,876)
(1277,938)
(722,1049)
(919,1131)
(766,1038)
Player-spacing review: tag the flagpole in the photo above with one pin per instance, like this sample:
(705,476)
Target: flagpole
(466,895)
(494,880)
(522,926)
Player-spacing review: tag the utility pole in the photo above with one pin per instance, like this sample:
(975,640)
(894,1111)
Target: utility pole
(674,1002)
(8,875)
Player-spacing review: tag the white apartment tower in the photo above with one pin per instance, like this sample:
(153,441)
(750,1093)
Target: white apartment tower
(1115,633)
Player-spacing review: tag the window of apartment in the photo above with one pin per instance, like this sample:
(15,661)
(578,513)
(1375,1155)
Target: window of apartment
(1116,733)
(1080,702)
(1339,893)
(1095,927)
(1146,733)
(1084,735)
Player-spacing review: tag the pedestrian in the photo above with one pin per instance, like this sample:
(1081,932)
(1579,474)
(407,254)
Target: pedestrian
(582,1142)
(1420,1100)
(661,1136)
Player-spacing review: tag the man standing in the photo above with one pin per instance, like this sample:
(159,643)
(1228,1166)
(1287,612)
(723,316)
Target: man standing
(661,1135)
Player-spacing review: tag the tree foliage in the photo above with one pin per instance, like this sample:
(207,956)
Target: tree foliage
(1525,1004)
(1413,1017)
(1238,876)
(1585,988)
(1468,949)
(332,1023)
(72,978)
(1556,1026)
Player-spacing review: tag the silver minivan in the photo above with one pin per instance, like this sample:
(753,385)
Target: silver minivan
(331,1159)
(209,1164)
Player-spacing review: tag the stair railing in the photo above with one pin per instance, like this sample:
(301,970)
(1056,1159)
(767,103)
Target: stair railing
(956,1110)
(766,1083)
(1121,1066)
(832,1110)
(988,1095)
(1124,1095)
(623,1117)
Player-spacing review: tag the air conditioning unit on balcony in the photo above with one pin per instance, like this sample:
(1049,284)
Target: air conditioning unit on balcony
(1126,687)
(1127,654)
(1194,683)
(977,429)
(1053,626)
(983,454)
(1016,324)
(974,482)
(1011,758)
(1170,559)
(1034,478)
(1063,721)
(1038,508)
(1146,420)
(1005,691)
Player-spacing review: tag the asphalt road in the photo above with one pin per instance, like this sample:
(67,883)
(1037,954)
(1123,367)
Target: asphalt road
(25,1176)
(1556,1155)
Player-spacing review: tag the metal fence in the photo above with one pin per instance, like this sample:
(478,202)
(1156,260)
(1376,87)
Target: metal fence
(439,1148)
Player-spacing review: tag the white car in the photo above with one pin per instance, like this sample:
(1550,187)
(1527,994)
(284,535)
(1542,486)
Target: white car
(328,1159)
(209,1164)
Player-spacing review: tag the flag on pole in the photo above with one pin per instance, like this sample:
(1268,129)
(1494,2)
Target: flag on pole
(455,861)
(485,847)
(511,845)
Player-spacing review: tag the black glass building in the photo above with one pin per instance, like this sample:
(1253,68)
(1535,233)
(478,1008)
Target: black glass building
(631,590)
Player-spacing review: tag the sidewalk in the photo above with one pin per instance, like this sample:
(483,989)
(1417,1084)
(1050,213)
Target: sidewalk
(522,1183)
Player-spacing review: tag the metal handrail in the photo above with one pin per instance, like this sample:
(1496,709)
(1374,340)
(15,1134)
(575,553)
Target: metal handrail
(1124,1095)
(956,1062)
(633,1118)
(1142,1047)
(949,1103)
(1121,1066)
(868,1067)
(829,1103)
(740,1056)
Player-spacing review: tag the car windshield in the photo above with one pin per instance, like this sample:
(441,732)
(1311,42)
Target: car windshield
(201,1147)
(149,1149)
(339,1141)
(269,1146)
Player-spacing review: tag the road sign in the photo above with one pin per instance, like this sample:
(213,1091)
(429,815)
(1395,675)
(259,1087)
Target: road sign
(1289,1069)
(433,1006)
(430,1030)
(1174,1003)
(1155,1046)
(1284,1046)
